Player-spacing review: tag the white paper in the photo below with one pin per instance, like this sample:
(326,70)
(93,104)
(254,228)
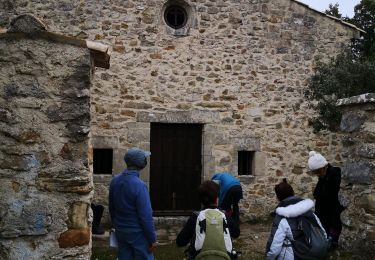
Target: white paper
(112,239)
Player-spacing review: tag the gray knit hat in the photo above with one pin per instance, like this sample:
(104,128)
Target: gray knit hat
(136,157)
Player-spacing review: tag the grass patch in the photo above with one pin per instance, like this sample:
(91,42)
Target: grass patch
(104,254)
(171,252)
(162,252)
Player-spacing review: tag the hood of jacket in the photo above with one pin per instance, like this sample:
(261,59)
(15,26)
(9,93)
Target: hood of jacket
(297,209)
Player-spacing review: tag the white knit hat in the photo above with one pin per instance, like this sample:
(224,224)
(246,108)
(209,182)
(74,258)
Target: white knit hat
(316,161)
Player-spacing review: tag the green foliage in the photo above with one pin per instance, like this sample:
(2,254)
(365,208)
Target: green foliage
(364,18)
(350,73)
(333,10)
(344,76)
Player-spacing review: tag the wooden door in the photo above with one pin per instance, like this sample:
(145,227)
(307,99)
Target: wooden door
(175,168)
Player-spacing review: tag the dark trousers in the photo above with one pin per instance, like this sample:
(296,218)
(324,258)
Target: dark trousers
(230,202)
(331,222)
(97,211)
(133,245)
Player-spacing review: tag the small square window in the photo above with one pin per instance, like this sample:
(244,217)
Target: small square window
(103,161)
(245,162)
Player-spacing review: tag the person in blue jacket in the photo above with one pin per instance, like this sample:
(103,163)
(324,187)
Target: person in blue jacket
(230,194)
(130,209)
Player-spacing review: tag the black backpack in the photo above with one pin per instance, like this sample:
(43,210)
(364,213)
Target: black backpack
(309,242)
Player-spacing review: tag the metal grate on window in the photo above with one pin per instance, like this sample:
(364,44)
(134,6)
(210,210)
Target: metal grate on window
(175,16)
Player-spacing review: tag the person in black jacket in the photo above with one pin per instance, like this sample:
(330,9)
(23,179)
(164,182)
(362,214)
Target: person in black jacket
(208,195)
(327,205)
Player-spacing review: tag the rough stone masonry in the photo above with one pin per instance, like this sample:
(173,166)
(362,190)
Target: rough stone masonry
(237,67)
(46,185)
(240,68)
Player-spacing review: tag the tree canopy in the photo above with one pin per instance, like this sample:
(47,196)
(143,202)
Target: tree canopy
(364,18)
(333,10)
(350,73)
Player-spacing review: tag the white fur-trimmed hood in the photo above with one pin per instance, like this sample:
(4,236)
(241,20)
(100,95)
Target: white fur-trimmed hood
(295,210)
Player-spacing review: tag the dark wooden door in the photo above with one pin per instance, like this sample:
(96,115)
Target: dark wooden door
(175,167)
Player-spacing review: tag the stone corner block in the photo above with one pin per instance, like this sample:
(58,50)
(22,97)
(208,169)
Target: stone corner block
(75,237)
(78,215)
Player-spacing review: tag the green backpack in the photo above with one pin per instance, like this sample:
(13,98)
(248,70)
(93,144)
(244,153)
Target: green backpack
(212,240)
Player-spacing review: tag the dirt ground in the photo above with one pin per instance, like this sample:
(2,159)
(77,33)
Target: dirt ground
(251,244)
(253,239)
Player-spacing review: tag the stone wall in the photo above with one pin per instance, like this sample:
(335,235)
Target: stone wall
(238,67)
(46,185)
(358,185)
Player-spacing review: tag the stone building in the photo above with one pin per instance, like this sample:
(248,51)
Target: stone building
(207,86)
(46,185)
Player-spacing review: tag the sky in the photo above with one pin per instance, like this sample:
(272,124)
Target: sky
(346,7)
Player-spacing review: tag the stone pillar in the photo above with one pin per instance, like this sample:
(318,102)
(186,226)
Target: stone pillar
(358,183)
(46,185)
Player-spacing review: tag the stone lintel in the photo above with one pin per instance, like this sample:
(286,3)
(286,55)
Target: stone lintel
(190,117)
(101,142)
(246,143)
(246,179)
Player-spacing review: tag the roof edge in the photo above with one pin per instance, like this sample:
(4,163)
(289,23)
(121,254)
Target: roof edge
(330,16)
(100,52)
(29,26)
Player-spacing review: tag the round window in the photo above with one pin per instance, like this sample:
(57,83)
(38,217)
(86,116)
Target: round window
(175,16)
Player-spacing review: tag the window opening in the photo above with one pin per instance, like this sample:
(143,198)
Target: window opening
(175,16)
(245,162)
(103,159)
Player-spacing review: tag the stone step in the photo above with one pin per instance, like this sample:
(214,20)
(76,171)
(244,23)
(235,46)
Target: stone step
(100,240)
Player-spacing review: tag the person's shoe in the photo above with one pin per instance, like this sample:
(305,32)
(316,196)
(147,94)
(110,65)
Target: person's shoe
(98,230)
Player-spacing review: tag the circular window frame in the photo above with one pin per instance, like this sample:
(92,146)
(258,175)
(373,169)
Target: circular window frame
(179,8)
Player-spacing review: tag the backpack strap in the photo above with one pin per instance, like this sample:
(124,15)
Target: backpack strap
(202,226)
(225,226)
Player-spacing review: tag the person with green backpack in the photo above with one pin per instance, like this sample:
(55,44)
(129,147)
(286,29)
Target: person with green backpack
(208,231)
